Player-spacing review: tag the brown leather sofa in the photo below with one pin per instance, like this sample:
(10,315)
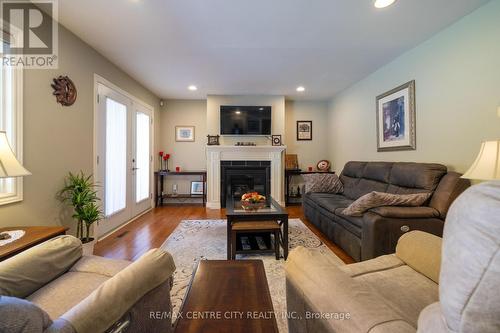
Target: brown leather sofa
(376,232)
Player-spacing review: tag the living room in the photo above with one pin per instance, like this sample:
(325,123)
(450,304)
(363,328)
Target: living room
(250,167)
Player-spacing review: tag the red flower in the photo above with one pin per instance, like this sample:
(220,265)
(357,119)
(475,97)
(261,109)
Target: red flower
(161,153)
(167,156)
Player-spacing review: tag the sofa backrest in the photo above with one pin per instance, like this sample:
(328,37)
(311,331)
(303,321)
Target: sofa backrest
(360,178)
(469,283)
(30,270)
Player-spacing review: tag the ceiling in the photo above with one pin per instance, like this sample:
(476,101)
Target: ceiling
(247,47)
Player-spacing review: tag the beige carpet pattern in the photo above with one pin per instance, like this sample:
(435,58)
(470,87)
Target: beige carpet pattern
(195,240)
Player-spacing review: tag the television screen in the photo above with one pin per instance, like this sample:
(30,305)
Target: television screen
(245,120)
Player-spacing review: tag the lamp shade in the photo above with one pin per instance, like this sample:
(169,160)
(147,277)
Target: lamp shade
(487,164)
(9,165)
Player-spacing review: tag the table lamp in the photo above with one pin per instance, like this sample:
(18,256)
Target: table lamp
(487,164)
(9,165)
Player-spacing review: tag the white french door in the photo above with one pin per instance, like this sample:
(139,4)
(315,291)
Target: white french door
(124,160)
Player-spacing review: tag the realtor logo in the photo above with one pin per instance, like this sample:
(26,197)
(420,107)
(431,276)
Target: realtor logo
(29,33)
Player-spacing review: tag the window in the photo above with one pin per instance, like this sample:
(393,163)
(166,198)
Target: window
(11,189)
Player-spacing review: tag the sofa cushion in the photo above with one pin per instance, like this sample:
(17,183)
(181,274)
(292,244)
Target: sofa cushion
(65,292)
(318,285)
(353,224)
(381,263)
(20,316)
(99,265)
(408,177)
(404,289)
(331,202)
(470,270)
(379,199)
(323,183)
(21,275)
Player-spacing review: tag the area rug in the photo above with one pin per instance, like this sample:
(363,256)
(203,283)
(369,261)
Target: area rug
(195,240)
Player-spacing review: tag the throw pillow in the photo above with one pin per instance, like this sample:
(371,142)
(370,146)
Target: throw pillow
(323,183)
(20,316)
(379,199)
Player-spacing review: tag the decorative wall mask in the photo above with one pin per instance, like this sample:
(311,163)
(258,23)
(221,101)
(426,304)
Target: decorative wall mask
(64,90)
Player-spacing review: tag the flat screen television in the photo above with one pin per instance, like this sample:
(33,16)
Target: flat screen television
(245,120)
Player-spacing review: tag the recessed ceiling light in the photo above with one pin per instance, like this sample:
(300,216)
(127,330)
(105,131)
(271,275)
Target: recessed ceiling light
(383,3)
(301,89)
(237,112)
(192,88)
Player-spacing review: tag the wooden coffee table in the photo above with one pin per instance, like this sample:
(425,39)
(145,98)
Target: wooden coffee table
(32,237)
(272,211)
(227,296)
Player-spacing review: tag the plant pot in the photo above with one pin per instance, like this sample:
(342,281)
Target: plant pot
(88,246)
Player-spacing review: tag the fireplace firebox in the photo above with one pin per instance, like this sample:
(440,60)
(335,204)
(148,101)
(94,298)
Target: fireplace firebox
(240,177)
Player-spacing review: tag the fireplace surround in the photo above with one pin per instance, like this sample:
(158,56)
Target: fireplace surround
(218,155)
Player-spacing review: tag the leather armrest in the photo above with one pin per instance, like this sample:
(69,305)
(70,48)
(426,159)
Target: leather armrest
(405,212)
(108,303)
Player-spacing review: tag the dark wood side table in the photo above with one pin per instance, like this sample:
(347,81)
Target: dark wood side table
(227,296)
(288,180)
(32,237)
(159,186)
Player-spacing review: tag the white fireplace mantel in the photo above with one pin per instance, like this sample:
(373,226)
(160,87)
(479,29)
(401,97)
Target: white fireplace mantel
(215,154)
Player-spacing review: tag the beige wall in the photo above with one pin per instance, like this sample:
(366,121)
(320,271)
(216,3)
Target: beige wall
(457,75)
(309,152)
(278,115)
(186,155)
(60,139)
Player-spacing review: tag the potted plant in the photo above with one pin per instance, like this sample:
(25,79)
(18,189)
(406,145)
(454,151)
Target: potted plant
(80,192)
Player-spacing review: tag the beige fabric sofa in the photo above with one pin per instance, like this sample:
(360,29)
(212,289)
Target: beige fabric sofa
(89,293)
(400,292)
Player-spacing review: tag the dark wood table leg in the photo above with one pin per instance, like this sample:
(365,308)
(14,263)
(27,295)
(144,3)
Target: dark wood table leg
(285,237)
(233,245)
(277,244)
(161,179)
(229,238)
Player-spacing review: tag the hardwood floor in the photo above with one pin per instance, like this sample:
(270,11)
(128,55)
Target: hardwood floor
(150,231)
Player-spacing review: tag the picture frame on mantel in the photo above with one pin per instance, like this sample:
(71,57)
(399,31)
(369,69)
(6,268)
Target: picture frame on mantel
(304,130)
(184,133)
(396,129)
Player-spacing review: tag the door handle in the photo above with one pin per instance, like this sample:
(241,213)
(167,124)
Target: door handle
(133,169)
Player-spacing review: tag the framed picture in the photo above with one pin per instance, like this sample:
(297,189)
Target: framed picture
(396,119)
(291,162)
(184,133)
(197,188)
(304,130)
(213,140)
(276,140)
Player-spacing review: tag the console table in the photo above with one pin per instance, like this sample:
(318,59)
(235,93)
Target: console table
(160,179)
(32,237)
(288,179)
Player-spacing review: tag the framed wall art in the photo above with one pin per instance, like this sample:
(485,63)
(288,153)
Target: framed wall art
(184,133)
(396,119)
(197,188)
(304,130)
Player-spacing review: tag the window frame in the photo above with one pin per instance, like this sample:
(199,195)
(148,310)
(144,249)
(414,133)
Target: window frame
(17,101)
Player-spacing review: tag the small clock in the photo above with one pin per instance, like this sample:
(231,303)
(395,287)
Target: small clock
(323,165)
(276,140)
